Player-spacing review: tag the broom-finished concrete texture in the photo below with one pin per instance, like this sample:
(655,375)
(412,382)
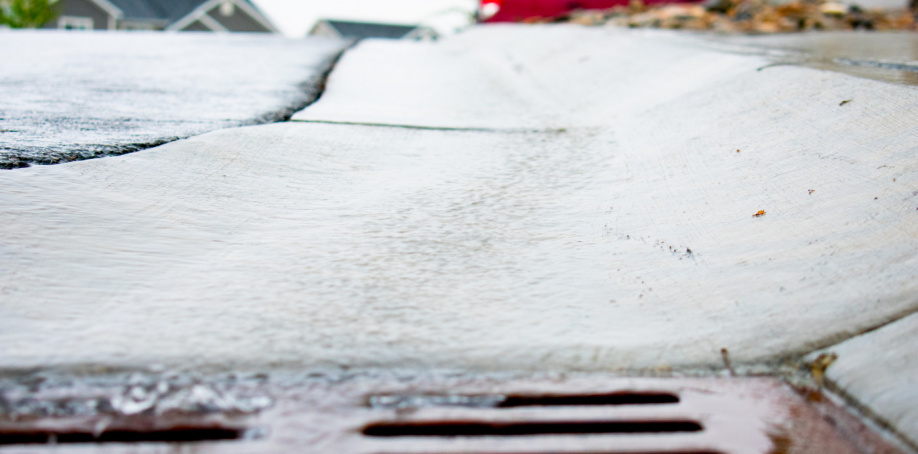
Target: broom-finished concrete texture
(600,216)
(67,96)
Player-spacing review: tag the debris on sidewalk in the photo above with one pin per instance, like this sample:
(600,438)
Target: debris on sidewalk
(748,16)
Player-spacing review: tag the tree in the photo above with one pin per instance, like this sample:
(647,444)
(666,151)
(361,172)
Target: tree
(27,13)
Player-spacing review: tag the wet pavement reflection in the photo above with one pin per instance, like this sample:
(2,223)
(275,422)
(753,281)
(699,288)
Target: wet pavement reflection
(887,56)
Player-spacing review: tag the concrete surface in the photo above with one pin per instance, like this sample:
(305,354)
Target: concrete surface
(620,239)
(879,370)
(67,96)
(518,198)
(527,80)
(878,4)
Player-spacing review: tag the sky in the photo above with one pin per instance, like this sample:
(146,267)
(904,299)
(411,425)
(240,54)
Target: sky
(295,17)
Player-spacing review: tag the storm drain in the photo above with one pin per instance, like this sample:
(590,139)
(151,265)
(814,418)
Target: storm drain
(170,435)
(467,414)
(518,428)
(685,416)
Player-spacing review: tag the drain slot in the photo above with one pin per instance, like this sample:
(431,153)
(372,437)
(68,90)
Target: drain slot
(478,429)
(590,400)
(123,436)
(511,401)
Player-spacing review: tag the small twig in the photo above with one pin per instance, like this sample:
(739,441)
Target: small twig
(726,356)
(819,366)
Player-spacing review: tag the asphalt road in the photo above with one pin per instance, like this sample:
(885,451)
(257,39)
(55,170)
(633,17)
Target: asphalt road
(73,96)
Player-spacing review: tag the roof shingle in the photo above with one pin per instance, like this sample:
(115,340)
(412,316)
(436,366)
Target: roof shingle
(360,30)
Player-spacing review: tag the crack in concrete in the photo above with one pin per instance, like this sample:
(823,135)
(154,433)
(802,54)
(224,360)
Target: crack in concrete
(866,413)
(895,319)
(440,128)
(317,85)
(863,410)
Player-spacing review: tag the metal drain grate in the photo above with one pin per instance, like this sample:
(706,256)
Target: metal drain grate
(467,414)
(171,435)
(501,401)
(684,416)
(477,429)
(107,428)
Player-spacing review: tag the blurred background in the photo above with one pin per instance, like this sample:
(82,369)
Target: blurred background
(431,19)
(291,18)
(294,18)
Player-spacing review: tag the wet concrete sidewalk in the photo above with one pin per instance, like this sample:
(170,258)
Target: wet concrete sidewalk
(511,199)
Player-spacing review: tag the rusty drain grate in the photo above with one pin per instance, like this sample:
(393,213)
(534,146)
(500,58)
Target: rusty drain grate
(468,414)
(515,428)
(168,435)
(686,416)
(104,429)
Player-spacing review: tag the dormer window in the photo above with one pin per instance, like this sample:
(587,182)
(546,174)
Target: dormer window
(227,8)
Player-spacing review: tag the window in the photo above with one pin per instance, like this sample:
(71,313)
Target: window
(126,25)
(75,23)
(227,8)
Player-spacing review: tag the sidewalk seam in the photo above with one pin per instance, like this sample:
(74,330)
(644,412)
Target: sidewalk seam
(862,409)
(439,128)
(895,319)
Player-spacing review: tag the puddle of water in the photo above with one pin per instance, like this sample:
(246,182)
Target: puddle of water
(884,71)
(885,56)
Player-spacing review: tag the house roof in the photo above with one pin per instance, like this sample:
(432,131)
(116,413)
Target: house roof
(349,29)
(168,10)
(177,9)
(138,9)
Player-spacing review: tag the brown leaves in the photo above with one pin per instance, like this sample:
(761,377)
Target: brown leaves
(748,16)
(820,365)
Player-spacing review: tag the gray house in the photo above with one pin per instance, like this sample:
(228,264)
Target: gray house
(359,30)
(172,15)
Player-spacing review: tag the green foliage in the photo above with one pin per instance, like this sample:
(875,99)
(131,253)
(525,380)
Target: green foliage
(27,13)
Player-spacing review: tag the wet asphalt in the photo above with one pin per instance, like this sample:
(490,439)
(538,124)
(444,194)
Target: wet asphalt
(74,96)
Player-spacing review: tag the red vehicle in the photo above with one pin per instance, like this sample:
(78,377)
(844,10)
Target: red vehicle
(517,10)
